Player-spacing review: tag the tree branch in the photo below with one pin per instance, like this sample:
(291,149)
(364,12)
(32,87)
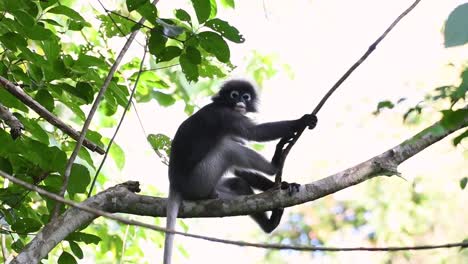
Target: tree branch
(15,125)
(283,152)
(123,199)
(44,113)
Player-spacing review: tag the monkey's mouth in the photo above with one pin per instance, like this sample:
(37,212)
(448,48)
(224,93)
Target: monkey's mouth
(240,107)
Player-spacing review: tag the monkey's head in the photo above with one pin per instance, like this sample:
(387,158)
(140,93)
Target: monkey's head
(238,95)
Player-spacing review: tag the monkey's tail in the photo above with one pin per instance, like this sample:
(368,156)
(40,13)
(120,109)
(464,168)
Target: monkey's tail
(173,204)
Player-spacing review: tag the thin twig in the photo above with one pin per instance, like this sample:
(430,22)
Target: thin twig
(127,107)
(44,113)
(84,130)
(372,47)
(214,239)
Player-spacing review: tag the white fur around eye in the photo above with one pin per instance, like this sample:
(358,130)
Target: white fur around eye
(246,97)
(234,94)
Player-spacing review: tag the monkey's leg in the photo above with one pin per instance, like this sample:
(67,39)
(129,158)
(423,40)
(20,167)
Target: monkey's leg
(246,158)
(229,188)
(255,180)
(262,183)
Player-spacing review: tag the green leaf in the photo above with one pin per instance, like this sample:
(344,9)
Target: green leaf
(226,30)
(135,4)
(75,248)
(79,179)
(160,142)
(12,40)
(95,137)
(213,8)
(189,69)
(215,44)
(45,99)
(382,105)
(157,42)
(183,15)
(77,25)
(38,32)
(228,3)
(26,225)
(83,237)
(66,11)
(117,153)
(460,137)
(51,48)
(17,246)
(85,61)
(452,119)
(66,258)
(24,18)
(163,99)
(5,165)
(202,9)
(168,53)
(463,182)
(10,101)
(456,27)
(35,129)
(117,26)
(148,11)
(193,55)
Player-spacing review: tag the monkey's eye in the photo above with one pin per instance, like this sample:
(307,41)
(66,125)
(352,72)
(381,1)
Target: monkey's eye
(234,94)
(246,97)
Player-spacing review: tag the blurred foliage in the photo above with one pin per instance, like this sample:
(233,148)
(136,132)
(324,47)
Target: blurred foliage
(58,52)
(383,218)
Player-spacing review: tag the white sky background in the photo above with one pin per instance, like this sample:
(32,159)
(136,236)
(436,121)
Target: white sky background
(319,40)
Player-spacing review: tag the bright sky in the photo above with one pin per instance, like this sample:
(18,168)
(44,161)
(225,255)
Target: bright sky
(319,39)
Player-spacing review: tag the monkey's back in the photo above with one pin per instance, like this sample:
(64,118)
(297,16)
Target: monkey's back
(193,141)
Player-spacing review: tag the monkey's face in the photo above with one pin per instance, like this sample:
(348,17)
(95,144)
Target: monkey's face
(240,96)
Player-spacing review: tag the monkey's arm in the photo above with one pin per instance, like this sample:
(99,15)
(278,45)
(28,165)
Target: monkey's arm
(280,129)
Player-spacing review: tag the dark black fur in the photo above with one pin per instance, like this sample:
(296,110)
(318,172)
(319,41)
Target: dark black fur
(209,143)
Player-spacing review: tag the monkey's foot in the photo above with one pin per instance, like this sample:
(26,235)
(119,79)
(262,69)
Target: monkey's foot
(291,187)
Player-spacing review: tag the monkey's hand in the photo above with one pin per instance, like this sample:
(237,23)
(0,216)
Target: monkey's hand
(291,187)
(308,120)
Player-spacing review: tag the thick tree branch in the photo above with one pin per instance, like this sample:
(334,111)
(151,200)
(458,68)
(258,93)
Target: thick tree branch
(15,125)
(44,113)
(123,199)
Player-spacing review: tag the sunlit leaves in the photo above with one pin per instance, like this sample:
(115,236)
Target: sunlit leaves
(227,31)
(115,25)
(117,154)
(456,27)
(160,142)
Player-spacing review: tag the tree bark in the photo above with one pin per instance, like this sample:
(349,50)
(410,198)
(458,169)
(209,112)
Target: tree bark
(123,199)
